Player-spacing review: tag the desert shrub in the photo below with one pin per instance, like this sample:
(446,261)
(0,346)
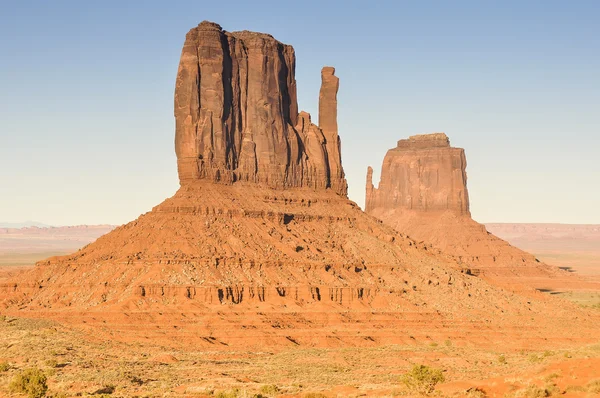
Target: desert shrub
(58,395)
(594,386)
(422,379)
(51,363)
(569,389)
(315,395)
(233,393)
(534,391)
(32,382)
(269,390)
(4,366)
(2,318)
(502,359)
(433,344)
(551,377)
(448,343)
(476,392)
(535,359)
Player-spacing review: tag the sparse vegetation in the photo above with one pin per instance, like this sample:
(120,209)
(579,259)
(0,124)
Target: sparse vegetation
(315,395)
(422,379)
(4,366)
(534,391)
(594,386)
(569,389)
(476,392)
(32,382)
(269,390)
(233,393)
(502,359)
(534,358)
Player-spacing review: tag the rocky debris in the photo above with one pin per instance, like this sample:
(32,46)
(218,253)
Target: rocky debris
(422,173)
(237,117)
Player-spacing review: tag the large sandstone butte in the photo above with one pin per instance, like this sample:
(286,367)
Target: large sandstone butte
(260,246)
(423,193)
(423,173)
(237,116)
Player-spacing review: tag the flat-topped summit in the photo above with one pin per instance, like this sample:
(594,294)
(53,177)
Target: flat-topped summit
(432,140)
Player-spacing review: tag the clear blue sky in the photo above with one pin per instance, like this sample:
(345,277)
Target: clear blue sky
(86,97)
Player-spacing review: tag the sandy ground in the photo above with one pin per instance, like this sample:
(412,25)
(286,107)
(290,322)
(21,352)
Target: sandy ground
(78,364)
(84,358)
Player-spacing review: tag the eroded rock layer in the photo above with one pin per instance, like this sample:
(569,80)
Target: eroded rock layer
(237,117)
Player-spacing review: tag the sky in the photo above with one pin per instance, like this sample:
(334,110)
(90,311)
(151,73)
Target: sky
(86,97)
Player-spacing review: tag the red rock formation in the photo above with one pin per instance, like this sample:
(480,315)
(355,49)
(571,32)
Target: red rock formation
(423,193)
(328,123)
(422,173)
(245,264)
(237,115)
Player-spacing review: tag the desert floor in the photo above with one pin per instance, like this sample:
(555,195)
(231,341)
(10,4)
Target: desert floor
(80,362)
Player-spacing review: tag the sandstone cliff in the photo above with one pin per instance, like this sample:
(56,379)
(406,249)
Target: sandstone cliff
(237,117)
(422,173)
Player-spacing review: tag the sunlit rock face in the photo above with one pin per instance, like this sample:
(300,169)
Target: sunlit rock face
(422,173)
(237,114)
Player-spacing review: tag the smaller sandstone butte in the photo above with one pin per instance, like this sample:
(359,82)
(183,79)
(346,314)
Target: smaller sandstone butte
(422,173)
(237,117)
(423,193)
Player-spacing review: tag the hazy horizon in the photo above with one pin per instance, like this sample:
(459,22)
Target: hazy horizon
(86,109)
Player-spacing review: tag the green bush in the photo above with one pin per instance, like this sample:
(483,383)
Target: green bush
(32,382)
(422,379)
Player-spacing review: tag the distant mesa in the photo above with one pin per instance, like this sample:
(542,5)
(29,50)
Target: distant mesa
(422,173)
(237,116)
(423,193)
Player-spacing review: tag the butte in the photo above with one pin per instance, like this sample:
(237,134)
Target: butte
(423,193)
(260,245)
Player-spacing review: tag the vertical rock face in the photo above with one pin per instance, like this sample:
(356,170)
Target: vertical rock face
(237,117)
(328,123)
(422,173)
